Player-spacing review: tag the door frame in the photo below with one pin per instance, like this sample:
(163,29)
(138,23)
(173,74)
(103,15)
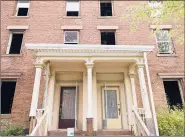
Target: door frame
(117,88)
(76,103)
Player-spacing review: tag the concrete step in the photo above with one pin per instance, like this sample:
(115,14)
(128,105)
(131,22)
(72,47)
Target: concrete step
(121,132)
(63,132)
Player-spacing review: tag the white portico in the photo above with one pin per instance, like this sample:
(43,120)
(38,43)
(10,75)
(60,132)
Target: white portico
(99,81)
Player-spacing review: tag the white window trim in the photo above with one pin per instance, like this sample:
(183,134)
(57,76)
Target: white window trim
(72,31)
(155,4)
(171,51)
(78,9)
(10,41)
(22,5)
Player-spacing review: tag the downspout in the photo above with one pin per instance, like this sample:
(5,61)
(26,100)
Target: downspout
(151,95)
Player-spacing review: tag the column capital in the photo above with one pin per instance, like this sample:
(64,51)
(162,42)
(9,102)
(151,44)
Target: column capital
(89,64)
(131,75)
(140,65)
(39,65)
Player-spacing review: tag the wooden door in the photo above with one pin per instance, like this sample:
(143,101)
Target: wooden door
(67,111)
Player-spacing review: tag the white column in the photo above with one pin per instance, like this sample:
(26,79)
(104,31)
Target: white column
(89,90)
(143,88)
(51,99)
(128,99)
(134,97)
(84,101)
(95,101)
(36,87)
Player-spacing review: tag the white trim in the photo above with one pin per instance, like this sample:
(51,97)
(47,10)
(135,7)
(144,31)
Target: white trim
(161,26)
(107,27)
(73,27)
(19,27)
(22,5)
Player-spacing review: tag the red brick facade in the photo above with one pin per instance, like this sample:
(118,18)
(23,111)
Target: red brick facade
(45,20)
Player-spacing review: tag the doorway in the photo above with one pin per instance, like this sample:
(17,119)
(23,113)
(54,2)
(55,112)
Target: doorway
(68,108)
(111,108)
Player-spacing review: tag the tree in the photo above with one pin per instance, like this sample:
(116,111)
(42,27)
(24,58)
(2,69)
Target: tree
(158,13)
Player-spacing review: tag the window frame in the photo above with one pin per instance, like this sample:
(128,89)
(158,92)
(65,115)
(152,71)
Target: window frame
(172,50)
(17,8)
(78,37)
(79,2)
(11,32)
(179,86)
(109,31)
(104,1)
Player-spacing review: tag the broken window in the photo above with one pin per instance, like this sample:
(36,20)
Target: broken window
(72,7)
(7,95)
(174,93)
(22,7)
(15,42)
(106,8)
(108,38)
(164,42)
(71,37)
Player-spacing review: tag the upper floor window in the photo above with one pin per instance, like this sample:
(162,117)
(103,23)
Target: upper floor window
(108,38)
(71,37)
(15,42)
(164,42)
(72,7)
(22,7)
(106,8)
(154,3)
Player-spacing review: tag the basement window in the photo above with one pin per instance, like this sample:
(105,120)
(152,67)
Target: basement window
(106,8)
(72,7)
(22,7)
(71,37)
(108,38)
(174,93)
(7,95)
(15,42)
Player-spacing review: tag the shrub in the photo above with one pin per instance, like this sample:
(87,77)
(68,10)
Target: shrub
(13,130)
(171,122)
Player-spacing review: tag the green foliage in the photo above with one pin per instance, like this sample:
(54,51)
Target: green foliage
(13,130)
(168,12)
(171,122)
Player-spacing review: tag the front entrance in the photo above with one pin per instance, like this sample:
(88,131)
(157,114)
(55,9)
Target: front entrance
(111,108)
(68,107)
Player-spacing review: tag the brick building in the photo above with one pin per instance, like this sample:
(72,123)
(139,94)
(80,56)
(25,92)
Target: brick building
(76,64)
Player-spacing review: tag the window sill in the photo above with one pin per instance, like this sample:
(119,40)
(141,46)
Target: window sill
(11,55)
(19,17)
(72,17)
(167,55)
(105,17)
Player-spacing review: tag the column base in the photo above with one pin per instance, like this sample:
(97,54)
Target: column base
(89,127)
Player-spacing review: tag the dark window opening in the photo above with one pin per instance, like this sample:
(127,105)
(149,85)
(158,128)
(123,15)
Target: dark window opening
(22,12)
(16,44)
(108,38)
(106,8)
(173,93)
(72,13)
(7,95)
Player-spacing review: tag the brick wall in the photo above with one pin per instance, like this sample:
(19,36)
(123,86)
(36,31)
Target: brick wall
(45,20)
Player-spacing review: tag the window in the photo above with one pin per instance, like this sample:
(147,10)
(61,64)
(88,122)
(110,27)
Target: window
(7,95)
(72,7)
(174,93)
(164,42)
(22,7)
(154,3)
(108,38)
(71,37)
(15,42)
(106,8)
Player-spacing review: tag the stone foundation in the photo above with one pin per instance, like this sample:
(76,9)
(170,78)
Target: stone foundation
(5,121)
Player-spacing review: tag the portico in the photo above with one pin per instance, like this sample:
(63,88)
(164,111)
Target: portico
(99,81)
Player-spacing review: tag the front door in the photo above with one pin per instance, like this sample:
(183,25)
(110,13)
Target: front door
(111,108)
(67,111)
